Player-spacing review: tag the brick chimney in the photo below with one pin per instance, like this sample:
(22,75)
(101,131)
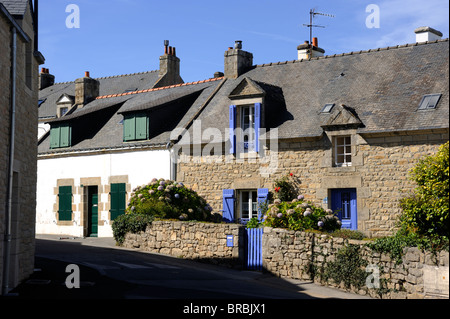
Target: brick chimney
(427,34)
(86,90)
(306,51)
(237,61)
(45,79)
(169,67)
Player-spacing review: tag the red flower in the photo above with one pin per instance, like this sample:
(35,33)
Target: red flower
(277,189)
(291,174)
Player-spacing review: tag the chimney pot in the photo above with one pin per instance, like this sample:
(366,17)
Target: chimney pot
(238,44)
(174,52)
(43,70)
(87,74)
(315,42)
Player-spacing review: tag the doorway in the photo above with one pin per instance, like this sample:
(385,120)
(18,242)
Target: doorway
(343,201)
(92,211)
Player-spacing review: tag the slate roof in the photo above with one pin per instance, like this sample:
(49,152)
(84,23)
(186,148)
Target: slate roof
(374,91)
(98,125)
(383,87)
(16,7)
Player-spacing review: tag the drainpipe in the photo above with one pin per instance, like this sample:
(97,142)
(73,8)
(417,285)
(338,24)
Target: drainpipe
(7,252)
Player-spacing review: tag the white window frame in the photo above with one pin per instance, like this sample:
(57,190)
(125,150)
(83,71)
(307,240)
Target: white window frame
(343,150)
(248,132)
(253,212)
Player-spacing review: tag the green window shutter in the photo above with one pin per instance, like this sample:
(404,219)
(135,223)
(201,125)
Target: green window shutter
(129,128)
(141,127)
(55,133)
(61,136)
(65,203)
(118,200)
(65,135)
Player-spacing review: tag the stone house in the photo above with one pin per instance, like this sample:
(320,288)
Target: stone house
(101,138)
(19,60)
(348,127)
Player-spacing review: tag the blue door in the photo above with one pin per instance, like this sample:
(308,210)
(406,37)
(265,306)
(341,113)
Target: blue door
(343,201)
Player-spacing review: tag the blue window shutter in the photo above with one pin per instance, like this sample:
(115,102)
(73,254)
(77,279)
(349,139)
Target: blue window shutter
(354,210)
(257,125)
(228,205)
(232,129)
(263,195)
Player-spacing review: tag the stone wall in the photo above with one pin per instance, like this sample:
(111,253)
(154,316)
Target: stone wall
(291,254)
(192,240)
(379,173)
(25,150)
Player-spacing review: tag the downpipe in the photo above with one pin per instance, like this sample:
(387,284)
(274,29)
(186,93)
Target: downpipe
(8,222)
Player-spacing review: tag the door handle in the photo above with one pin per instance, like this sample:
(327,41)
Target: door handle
(94,205)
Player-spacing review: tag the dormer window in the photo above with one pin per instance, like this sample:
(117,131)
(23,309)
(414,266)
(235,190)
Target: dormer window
(63,105)
(429,101)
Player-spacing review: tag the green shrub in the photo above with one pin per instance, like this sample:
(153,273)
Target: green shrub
(427,210)
(130,223)
(284,190)
(348,267)
(167,199)
(253,223)
(300,215)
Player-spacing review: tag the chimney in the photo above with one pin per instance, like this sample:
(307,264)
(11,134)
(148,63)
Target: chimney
(305,51)
(237,61)
(427,34)
(169,67)
(86,90)
(45,79)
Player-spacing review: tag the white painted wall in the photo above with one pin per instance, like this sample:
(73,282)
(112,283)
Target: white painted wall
(140,166)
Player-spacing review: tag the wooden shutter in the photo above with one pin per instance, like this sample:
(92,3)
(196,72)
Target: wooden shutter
(257,126)
(65,135)
(55,137)
(232,129)
(118,200)
(263,194)
(141,127)
(129,128)
(65,203)
(228,205)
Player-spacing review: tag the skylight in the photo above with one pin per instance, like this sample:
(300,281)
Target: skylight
(429,101)
(327,108)
(41,101)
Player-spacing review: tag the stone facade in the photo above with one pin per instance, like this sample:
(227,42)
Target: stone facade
(190,240)
(25,149)
(289,254)
(379,173)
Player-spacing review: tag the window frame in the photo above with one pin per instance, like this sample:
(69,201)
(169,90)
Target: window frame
(428,98)
(252,194)
(337,153)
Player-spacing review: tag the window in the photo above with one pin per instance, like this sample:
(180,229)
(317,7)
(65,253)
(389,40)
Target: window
(247,140)
(248,206)
(429,101)
(135,127)
(245,125)
(61,136)
(245,207)
(63,111)
(342,151)
(118,200)
(65,203)
(328,108)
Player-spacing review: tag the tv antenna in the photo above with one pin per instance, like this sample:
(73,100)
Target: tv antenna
(312,14)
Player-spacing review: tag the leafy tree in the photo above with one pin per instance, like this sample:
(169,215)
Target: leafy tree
(427,211)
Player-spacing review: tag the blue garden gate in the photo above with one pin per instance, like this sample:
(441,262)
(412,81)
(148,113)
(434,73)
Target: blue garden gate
(254,248)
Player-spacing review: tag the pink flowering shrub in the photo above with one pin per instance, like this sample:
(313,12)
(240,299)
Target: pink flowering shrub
(167,199)
(300,215)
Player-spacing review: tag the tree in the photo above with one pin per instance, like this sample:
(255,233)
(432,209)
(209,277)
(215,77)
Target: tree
(427,210)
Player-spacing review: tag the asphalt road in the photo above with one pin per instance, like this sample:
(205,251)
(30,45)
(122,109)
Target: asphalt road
(110,272)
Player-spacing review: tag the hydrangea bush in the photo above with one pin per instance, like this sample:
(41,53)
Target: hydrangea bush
(167,199)
(300,215)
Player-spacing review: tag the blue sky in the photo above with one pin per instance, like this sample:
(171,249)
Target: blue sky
(126,36)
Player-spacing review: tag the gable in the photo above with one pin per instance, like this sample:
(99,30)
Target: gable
(247,88)
(342,117)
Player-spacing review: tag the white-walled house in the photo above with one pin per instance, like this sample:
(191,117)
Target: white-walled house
(101,138)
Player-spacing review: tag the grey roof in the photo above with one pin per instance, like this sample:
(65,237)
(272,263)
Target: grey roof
(98,125)
(16,7)
(382,87)
(108,85)
(373,91)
